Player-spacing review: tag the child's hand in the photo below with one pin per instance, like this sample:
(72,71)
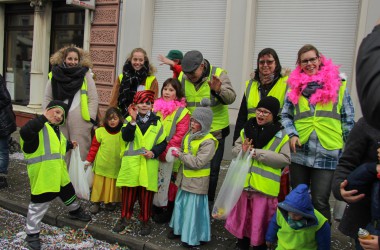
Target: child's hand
(132,110)
(175,153)
(75,144)
(247,145)
(148,154)
(371,244)
(87,163)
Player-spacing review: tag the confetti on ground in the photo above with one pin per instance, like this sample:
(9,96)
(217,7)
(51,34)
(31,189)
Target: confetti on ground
(12,235)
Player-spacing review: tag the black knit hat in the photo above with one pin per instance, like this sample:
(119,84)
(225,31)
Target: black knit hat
(270,103)
(59,104)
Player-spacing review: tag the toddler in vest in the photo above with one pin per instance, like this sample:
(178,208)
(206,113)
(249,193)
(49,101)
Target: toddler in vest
(175,118)
(144,141)
(44,148)
(264,135)
(105,154)
(297,225)
(191,218)
(365,180)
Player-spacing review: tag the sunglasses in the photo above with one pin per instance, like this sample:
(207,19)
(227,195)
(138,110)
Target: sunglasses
(268,62)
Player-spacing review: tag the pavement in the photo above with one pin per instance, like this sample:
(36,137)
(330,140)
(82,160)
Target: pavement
(17,196)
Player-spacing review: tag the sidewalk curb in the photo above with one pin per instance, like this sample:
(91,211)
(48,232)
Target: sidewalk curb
(96,231)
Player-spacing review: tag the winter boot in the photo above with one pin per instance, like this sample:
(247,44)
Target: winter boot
(79,214)
(33,241)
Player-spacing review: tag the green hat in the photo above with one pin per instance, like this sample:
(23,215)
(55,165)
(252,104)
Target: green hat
(175,54)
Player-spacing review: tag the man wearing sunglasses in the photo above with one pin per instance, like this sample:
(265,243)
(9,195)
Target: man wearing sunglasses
(200,80)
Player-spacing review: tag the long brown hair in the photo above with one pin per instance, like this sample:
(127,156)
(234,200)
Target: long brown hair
(152,69)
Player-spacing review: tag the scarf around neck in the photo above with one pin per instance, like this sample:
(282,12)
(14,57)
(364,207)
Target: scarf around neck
(128,86)
(168,107)
(66,82)
(327,76)
(261,135)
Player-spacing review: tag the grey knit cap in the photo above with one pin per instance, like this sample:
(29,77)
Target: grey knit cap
(204,115)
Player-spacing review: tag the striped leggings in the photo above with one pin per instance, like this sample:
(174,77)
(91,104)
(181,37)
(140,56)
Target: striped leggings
(129,197)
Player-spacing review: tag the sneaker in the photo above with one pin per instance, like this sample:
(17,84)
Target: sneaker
(3,182)
(110,206)
(172,236)
(94,208)
(79,214)
(33,241)
(120,225)
(145,229)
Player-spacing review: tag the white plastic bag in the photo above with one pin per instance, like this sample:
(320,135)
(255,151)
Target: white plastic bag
(78,175)
(232,186)
(160,199)
(89,176)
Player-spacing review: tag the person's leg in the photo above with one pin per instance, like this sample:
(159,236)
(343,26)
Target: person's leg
(215,167)
(36,212)
(299,174)
(145,200)
(129,195)
(320,191)
(4,161)
(68,197)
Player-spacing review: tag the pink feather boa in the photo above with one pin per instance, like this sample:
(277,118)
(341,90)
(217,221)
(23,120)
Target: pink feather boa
(167,107)
(328,75)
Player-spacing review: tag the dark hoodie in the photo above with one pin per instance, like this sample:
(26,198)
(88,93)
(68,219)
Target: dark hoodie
(298,201)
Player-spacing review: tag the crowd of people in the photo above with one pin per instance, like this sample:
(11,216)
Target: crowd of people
(164,148)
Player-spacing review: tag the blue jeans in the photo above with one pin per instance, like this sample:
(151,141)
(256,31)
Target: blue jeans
(215,168)
(4,154)
(319,181)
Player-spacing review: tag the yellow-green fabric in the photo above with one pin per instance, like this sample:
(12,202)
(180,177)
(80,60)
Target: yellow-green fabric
(252,94)
(135,169)
(107,161)
(325,120)
(170,123)
(291,239)
(264,178)
(194,146)
(194,97)
(148,81)
(47,162)
(83,99)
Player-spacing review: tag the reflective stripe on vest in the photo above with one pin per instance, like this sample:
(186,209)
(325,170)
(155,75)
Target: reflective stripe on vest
(173,125)
(252,95)
(132,152)
(194,98)
(193,149)
(83,98)
(325,121)
(264,178)
(48,155)
(148,81)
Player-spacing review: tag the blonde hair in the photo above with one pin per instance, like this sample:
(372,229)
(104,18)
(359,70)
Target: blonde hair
(152,69)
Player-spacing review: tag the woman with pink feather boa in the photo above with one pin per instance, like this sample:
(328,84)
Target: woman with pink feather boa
(318,115)
(175,117)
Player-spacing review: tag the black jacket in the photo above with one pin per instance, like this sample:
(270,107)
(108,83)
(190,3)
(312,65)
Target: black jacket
(7,117)
(368,77)
(361,147)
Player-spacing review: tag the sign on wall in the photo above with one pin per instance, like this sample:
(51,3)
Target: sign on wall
(86,4)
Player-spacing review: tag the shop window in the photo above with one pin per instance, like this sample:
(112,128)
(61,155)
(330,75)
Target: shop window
(67,26)
(19,19)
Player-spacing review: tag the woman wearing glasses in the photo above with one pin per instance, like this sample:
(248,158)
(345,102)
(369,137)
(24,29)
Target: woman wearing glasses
(268,80)
(318,115)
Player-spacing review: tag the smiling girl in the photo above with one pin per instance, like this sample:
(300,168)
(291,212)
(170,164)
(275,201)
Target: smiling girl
(138,75)
(175,118)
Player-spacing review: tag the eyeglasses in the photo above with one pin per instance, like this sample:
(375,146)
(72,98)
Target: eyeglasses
(268,62)
(147,103)
(311,60)
(262,112)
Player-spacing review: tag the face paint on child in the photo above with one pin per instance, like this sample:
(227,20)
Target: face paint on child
(195,126)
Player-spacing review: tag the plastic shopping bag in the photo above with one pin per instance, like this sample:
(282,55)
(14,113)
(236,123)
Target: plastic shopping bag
(160,199)
(232,186)
(89,176)
(78,175)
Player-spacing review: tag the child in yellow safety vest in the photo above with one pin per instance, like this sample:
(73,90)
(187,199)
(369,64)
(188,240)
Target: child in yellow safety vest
(44,148)
(264,135)
(191,217)
(175,118)
(105,154)
(144,138)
